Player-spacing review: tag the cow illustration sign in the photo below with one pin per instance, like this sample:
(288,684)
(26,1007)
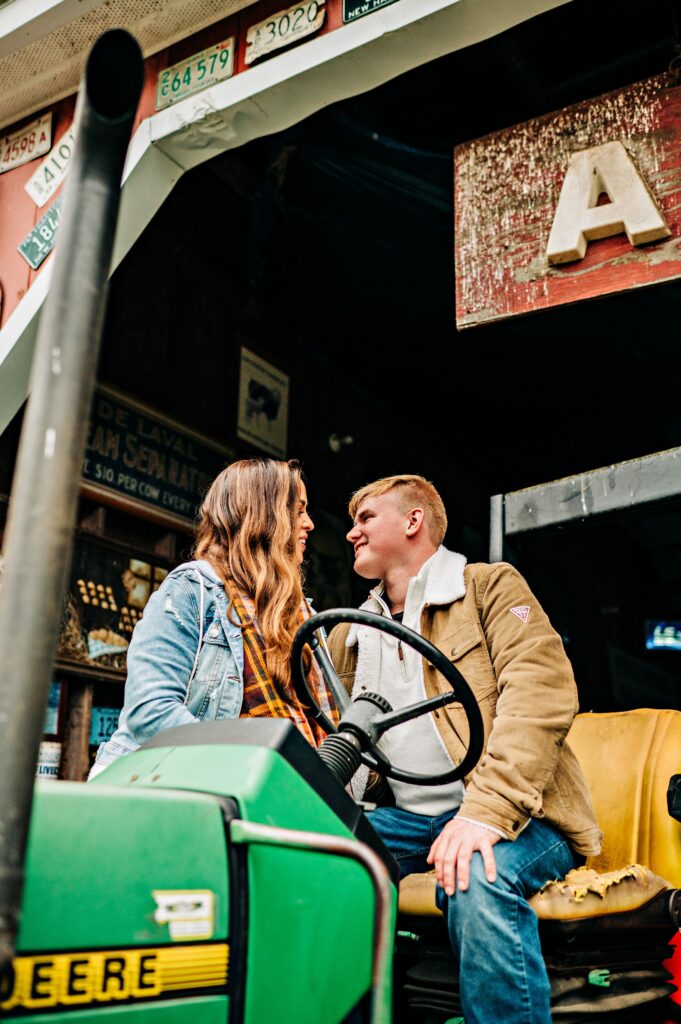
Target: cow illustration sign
(263,404)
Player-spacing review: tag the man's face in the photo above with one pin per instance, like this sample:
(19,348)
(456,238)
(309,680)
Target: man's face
(379,536)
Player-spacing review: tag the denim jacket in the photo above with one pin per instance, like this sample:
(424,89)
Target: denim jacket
(185,661)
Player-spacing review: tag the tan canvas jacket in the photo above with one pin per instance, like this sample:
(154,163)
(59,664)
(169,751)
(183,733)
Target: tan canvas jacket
(502,642)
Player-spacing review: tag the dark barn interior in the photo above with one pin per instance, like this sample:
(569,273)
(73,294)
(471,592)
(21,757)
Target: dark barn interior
(328,250)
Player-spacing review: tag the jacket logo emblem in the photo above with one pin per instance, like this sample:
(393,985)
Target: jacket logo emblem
(522,611)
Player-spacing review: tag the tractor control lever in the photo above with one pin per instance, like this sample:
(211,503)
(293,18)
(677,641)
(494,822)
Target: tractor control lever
(332,678)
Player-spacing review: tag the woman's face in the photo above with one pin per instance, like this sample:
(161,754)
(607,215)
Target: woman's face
(305,524)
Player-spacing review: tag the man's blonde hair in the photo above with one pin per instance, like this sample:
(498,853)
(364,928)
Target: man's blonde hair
(410,491)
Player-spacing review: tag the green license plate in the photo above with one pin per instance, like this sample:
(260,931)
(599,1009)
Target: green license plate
(38,244)
(358,8)
(195,73)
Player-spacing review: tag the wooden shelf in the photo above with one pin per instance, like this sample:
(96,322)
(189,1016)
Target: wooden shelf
(94,673)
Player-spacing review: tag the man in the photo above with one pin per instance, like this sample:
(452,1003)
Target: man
(524,815)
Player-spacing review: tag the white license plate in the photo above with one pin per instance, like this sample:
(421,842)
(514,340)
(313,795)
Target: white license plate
(31,141)
(196,73)
(285,27)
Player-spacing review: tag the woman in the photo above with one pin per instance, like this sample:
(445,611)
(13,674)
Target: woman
(215,638)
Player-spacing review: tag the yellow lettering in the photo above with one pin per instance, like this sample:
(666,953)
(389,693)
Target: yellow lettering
(130,454)
(70,979)
(157,464)
(142,460)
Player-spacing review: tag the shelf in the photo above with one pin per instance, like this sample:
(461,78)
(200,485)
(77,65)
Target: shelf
(95,673)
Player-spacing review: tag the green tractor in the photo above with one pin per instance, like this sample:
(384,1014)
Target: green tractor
(223,872)
(220,873)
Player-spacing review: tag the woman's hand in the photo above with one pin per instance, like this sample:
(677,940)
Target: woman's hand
(452,851)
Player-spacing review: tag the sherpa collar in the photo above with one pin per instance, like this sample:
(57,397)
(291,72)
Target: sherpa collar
(445,584)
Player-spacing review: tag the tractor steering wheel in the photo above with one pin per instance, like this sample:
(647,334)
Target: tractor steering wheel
(369,716)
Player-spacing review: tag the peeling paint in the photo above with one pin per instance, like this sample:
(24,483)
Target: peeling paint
(579,882)
(507,187)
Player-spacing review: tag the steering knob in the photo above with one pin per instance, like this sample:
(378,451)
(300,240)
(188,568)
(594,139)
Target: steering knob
(378,701)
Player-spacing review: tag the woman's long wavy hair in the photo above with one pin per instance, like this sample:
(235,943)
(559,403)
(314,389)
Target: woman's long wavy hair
(247,530)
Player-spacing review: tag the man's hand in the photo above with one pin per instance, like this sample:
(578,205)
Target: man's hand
(452,851)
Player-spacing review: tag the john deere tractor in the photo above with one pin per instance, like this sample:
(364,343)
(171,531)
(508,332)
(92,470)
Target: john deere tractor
(223,873)
(220,873)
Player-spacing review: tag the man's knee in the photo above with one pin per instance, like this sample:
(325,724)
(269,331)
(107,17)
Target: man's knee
(481,897)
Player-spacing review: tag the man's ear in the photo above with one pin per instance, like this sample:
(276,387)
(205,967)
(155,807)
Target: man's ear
(415,518)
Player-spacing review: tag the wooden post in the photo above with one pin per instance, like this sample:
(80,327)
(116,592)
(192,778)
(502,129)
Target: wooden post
(75,759)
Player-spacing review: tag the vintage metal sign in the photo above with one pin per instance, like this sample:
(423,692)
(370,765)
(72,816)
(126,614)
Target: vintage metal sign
(283,28)
(31,141)
(575,204)
(47,178)
(263,404)
(141,460)
(353,9)
(198,72)
(38,244)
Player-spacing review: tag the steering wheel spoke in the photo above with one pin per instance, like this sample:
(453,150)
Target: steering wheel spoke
(422,707)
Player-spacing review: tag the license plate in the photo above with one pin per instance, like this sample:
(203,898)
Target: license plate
(285,27)
(31,141)
(103,724)
(39,243)
(196,73)
(358,8)
(49,175)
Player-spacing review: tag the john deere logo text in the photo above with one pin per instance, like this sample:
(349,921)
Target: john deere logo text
(117,975)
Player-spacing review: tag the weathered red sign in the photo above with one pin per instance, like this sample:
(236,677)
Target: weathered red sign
(519,192)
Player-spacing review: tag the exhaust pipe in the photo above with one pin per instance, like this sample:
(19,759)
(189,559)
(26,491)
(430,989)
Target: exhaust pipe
(39,536)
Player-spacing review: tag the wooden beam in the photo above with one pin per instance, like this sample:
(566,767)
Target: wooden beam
(75,759)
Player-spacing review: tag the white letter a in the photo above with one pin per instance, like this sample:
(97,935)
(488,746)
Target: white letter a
(578,219)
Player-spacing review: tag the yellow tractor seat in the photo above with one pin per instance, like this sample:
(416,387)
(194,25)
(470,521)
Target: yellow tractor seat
(628,758)
(605,929)
(582,894)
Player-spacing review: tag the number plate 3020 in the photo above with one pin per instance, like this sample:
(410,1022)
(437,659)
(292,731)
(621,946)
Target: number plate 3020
(285,27)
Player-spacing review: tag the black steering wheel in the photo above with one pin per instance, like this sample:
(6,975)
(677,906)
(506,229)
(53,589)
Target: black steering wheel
(364,720)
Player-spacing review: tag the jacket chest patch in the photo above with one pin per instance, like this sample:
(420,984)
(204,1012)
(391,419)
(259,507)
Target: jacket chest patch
(522,611)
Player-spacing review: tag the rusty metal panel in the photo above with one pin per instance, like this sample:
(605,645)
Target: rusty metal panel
(602,490)
(506,191)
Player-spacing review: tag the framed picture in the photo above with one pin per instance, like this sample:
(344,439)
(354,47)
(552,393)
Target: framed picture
(263,404)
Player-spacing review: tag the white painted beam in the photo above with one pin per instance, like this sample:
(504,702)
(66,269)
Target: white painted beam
(24,21)
(610,489)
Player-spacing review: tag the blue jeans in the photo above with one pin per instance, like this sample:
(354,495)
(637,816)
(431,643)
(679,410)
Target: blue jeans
(492,928)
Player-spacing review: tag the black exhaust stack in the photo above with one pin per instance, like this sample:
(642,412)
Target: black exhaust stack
(38,541)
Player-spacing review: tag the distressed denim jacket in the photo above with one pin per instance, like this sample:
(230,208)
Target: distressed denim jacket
(185,661)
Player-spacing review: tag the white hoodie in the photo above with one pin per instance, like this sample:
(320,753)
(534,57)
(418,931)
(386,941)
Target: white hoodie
(414,746)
